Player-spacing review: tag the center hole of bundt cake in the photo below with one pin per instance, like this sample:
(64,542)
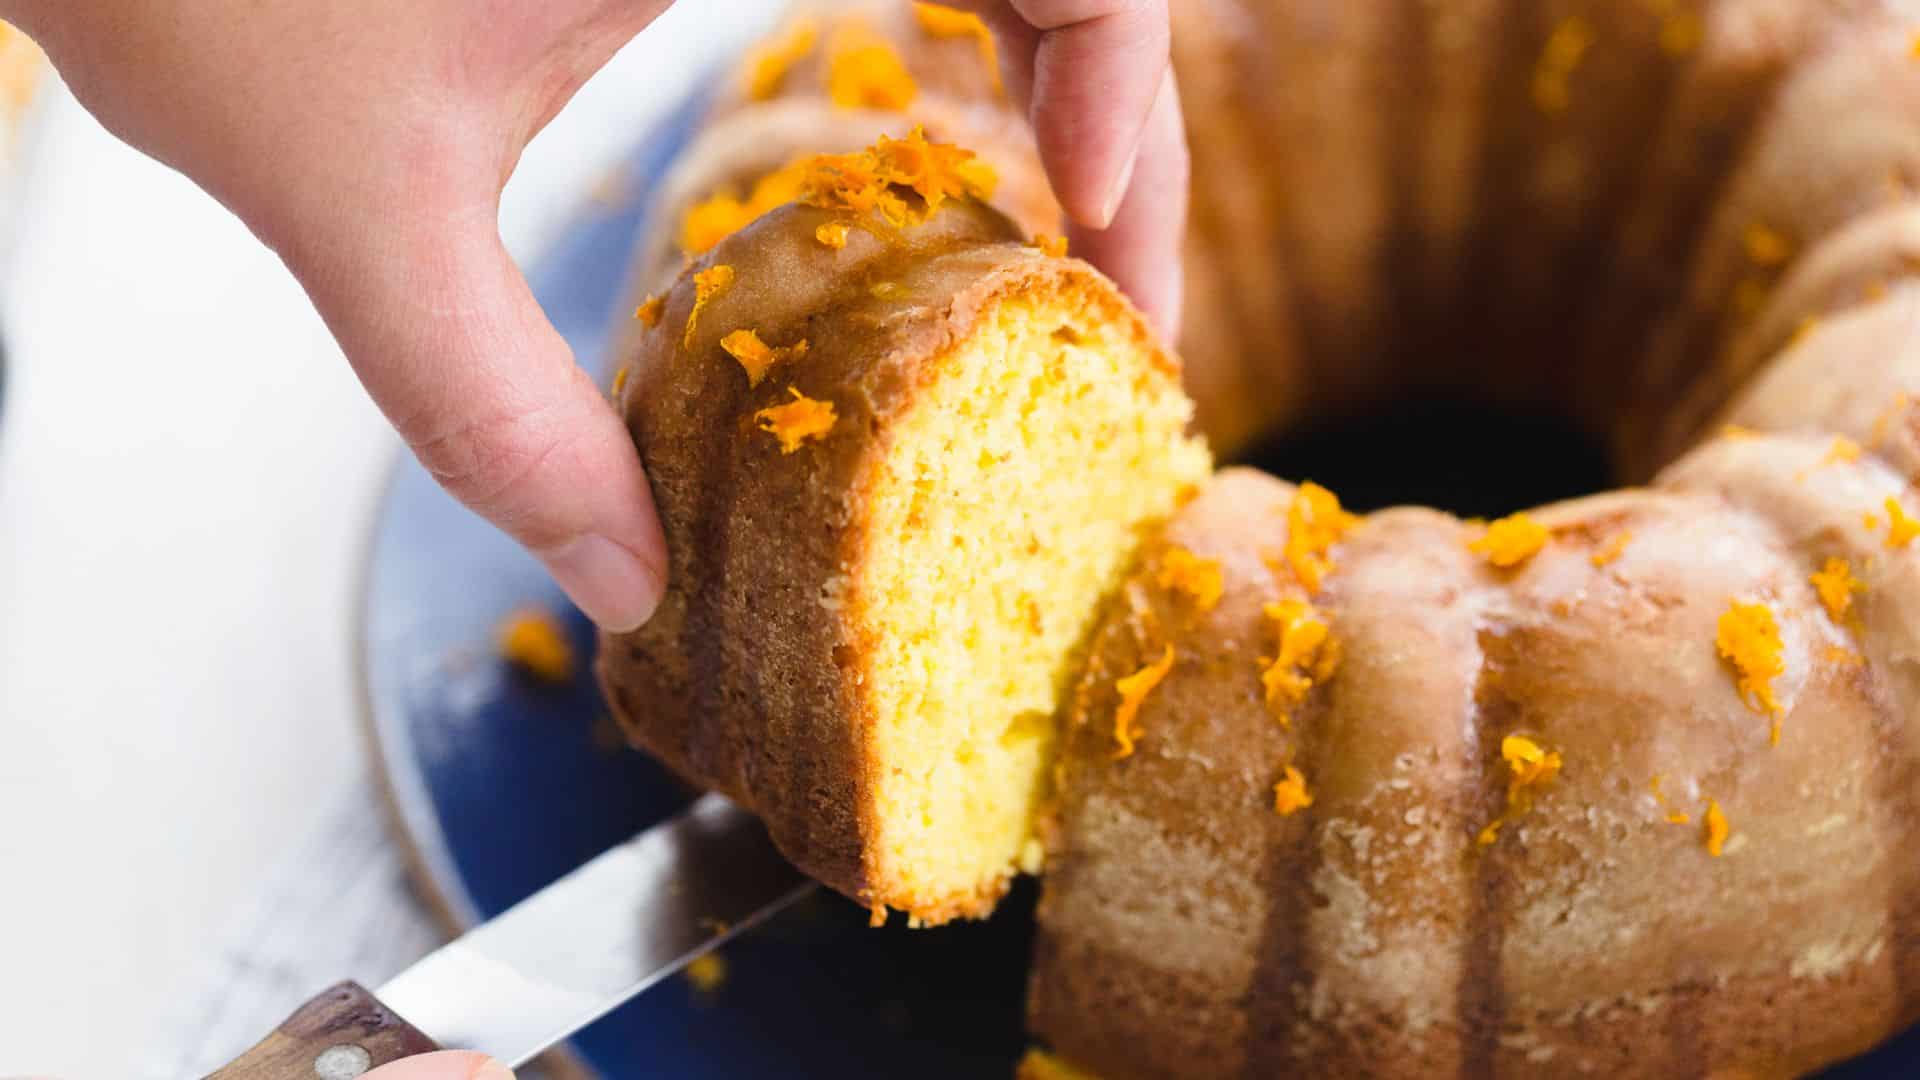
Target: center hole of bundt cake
(1471,459)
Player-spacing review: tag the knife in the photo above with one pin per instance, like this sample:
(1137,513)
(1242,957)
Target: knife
(553,963)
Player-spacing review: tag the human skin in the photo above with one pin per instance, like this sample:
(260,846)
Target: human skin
(367,143)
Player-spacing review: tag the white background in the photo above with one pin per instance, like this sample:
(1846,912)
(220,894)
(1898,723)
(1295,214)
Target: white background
(187,469)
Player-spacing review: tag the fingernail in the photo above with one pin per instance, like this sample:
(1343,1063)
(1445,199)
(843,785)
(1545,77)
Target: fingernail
(1117,194)
(493,1070)
(616,589)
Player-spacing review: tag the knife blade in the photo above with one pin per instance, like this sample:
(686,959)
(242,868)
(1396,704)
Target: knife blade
(558,960)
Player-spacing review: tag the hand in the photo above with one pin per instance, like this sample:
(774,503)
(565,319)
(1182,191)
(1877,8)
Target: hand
(444,1065)
(367,143)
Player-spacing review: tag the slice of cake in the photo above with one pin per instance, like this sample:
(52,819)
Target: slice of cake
(900,455)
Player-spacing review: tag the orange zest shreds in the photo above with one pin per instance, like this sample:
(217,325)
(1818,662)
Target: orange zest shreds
(1883,424)
(650,310)
(1843,451)
(879,178)
(1290,795)
(1749,640)
(1674,817)
(1055,246)
(943,21)
(1307,655)
(1837,587)
(756,356)
(1199,579)
(531,640)
(833,234)
(1871,520)
(768,64)
(620,380)
(1133,690)
(1681,33)
(706,972)
(1511,541)
(1315,523)
(1901,529)
(864,71)
(707,284)
(796,421)
(1716,828)
(1530,768)
(722,214)
(1764,246)
(1737,431)
(1611,551)
(1565,46)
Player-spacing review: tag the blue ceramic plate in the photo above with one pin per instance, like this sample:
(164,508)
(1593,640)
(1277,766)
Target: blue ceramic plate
(501,784)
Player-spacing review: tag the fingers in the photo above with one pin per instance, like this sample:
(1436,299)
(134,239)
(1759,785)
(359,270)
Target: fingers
(444,333)
(1140,250)
(1106,117)
(444,1065)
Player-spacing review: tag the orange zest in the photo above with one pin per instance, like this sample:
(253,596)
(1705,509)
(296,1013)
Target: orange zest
(833,234)
(881,177)
(1749,641)
(1510,541)
(756,356)
(1056,246)
(1611,551)
(1837,587)
(1530,768)
(620,381)
(1308,655)
(864,71)
(649,311)
(531,640)
(1674,817)
(1901,529)
(707,284)
(1133,690)
(706,972)
(767,65)
(1200,580)
(796,421)
(939,20)
(1290,795)
(1716,829)
(1315,522)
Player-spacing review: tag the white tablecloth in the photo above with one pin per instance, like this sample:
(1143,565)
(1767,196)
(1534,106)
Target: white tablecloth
(187,469)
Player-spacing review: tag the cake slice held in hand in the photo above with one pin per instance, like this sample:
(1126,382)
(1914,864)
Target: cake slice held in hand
(891,519)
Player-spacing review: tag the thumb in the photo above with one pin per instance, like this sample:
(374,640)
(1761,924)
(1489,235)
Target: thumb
(444,1065)
(443,331)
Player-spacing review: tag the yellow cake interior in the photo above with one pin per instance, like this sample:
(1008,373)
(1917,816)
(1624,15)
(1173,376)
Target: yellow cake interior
(1004,506)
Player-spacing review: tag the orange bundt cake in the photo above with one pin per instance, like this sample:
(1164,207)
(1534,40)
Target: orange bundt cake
(1626,785)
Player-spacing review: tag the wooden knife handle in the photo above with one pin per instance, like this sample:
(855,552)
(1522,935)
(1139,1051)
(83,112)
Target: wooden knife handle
(337,1035)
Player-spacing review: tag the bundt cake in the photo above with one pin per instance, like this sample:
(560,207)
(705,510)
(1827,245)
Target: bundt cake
(1627,785)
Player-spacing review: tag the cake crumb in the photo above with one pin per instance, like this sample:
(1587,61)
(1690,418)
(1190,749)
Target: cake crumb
(532,640)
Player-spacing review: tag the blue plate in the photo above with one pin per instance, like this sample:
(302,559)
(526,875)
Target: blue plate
(500,784)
